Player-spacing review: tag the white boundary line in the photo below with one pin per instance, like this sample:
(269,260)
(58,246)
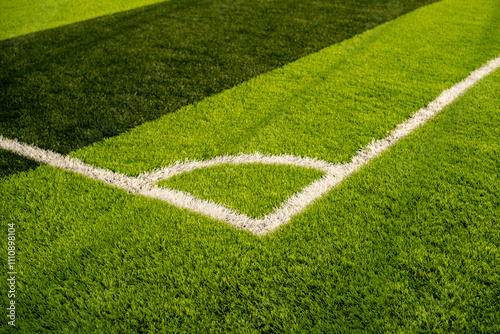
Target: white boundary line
(144,184)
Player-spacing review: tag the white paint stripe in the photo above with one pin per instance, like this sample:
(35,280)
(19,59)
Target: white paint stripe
(187,201)
(70,164)
(130,184)
(188,166)
(144,184)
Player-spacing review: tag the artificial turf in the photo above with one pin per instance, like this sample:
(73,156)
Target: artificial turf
(408,244)
(327,105)
(20,17)
(68,87)
(11,163)
(254,189)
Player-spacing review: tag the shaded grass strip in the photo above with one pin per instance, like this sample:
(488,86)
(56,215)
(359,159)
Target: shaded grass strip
(69,87)
(11,163)
(327,105)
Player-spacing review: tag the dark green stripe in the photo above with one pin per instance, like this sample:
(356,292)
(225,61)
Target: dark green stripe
(11,163)
(69,87)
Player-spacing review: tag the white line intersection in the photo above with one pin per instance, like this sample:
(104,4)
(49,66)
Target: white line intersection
(144,184)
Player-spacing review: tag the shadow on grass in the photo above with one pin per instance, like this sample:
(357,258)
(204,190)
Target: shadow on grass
(69,87)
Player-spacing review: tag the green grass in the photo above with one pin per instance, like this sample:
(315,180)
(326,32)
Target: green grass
(11,163)
(254,189)
(327,105)
(20,17)
(409,244)
(65,88)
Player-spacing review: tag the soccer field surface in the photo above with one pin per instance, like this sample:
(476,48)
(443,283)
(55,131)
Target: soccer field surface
(19,17)
(377,157)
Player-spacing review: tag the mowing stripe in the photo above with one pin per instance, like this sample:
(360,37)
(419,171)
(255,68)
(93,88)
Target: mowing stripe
(20,17)
(144,184)
(66,88)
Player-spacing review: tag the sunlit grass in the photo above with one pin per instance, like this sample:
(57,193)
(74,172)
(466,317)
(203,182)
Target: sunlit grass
(409,243)
(20,17)
(254,189)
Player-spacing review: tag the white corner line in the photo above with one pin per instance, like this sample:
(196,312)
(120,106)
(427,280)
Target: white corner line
(144,184)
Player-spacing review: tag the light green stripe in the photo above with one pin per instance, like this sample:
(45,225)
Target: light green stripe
(20,17)
(327,105)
